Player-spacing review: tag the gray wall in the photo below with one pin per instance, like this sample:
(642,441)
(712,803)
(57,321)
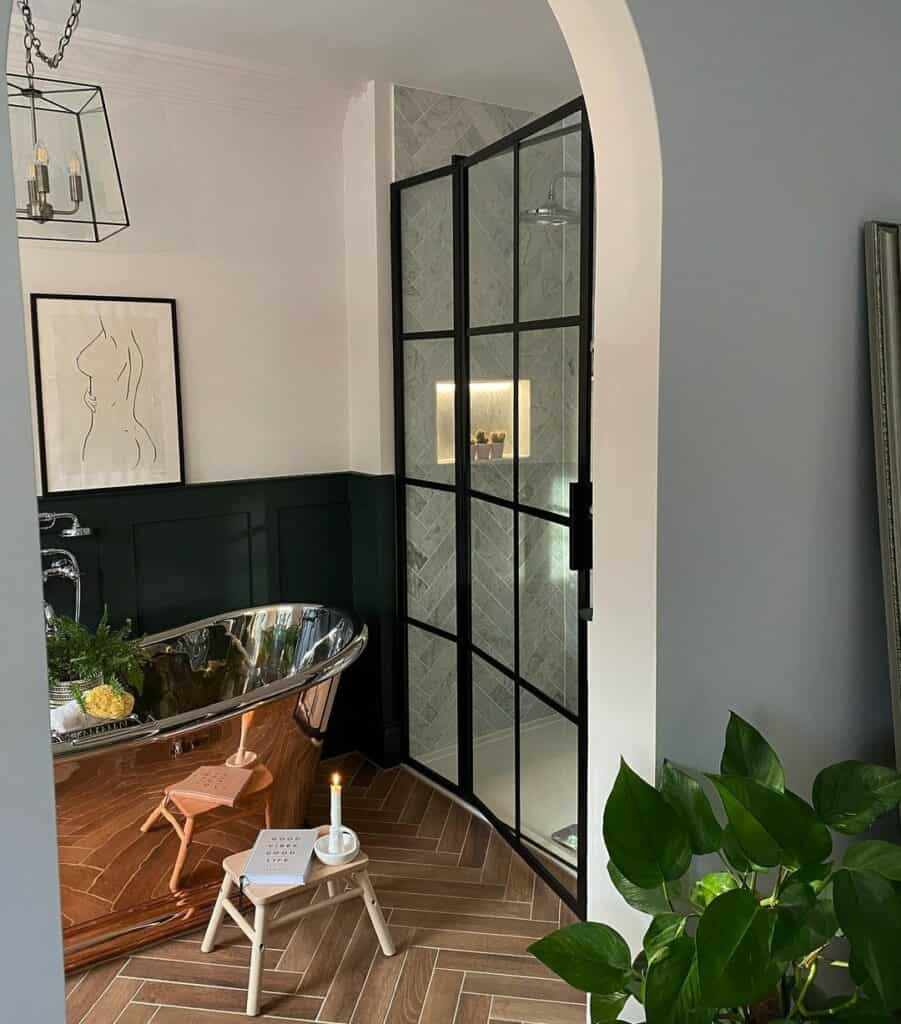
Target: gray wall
(780,128)
(31,981)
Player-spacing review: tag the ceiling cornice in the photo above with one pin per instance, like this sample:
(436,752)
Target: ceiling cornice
(136,67)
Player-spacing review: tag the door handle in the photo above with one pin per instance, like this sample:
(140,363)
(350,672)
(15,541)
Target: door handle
(580,526)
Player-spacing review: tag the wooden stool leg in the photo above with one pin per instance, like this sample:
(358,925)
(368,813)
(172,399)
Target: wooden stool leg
(256,962)
(267,812)
(375,914)
(212,929)
(154,817)
(182,854)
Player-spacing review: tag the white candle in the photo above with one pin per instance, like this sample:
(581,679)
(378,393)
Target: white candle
(335,844)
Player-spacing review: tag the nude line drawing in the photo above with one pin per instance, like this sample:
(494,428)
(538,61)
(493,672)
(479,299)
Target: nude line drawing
(115,438)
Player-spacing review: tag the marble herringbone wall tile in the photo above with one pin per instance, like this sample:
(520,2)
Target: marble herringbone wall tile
(550,361)
(430,128)
(548,650)
(427,260)
(432,667)
(425,364)
(492,580)
(431,557)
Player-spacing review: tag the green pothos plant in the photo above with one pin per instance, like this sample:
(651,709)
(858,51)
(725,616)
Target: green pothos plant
(750,941)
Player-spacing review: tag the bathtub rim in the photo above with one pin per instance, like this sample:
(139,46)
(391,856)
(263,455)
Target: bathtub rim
(179,725)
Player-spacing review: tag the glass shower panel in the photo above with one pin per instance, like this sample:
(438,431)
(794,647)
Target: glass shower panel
(432,557)
(492,580)
(427,256)
(549,245)
(549,362)
(491,241)
(493,740)
(549,611)
(429,409)
(549,778)
(432,697)
(492,431)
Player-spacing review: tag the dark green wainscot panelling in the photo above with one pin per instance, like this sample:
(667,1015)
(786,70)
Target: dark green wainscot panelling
(165,557)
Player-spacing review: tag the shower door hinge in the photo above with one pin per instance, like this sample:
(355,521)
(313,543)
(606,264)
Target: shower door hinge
(580,533)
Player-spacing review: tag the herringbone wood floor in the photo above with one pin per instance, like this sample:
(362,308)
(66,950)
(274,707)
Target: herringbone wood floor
(462,908)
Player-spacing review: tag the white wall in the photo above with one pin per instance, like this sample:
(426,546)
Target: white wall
(234,183)
(368,172)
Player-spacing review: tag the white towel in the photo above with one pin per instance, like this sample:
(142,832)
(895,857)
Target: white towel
(69,717)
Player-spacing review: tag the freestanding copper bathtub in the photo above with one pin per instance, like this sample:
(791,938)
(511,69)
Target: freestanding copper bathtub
(276,669)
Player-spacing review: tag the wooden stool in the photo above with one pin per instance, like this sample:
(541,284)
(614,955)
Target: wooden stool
(263,897)
(192,808)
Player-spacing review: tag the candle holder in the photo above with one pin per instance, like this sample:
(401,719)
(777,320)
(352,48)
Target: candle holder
(350,846)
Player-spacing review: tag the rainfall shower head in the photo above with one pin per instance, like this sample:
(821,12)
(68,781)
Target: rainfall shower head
(74,529)
(552,213)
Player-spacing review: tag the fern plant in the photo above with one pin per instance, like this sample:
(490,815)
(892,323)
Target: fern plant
(746,943)
(106,655)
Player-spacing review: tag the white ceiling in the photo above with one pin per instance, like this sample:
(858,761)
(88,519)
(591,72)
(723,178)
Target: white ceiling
(503,51)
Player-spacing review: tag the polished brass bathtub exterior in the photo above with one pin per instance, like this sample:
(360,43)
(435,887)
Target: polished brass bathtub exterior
(283,664)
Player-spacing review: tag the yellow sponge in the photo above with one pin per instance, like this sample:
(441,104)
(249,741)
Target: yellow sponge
(105,702)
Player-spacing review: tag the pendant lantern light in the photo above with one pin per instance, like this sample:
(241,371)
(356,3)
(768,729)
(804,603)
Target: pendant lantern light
(68,187)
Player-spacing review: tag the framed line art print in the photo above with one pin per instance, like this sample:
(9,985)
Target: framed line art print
(106,392)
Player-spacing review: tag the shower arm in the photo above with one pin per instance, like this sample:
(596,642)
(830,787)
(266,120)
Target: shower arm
(555,181)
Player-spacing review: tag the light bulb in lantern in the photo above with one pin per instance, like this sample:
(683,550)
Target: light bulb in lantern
(32,171)
(74,166)
(41,156)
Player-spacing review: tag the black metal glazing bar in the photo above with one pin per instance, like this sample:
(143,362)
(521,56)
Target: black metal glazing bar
(427,335)
(517,745)
(532,510)
(545,698)
(532,128)
(461,395)
(427,627)
(545,324)
(586,374)
(397,315)
(431,485)
(556,133)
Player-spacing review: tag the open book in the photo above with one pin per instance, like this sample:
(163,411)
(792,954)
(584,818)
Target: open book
(280,856)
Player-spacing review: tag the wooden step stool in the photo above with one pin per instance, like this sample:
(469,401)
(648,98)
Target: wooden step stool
(264,897)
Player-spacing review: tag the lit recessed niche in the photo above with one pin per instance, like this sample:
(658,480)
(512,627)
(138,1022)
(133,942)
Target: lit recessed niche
(491,409)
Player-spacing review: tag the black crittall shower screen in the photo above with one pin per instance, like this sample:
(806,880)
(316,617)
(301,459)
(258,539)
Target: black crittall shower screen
(492,276)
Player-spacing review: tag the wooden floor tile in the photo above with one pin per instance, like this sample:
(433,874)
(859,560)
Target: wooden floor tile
(455,829)
(529,1011)
(461,907)
(205,997)
(440,1006)
(412,986)
(473,1009)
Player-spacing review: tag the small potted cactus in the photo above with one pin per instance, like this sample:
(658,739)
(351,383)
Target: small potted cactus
(482,448)
(498,437)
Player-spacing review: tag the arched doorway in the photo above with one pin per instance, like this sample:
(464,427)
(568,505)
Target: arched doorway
(622,637)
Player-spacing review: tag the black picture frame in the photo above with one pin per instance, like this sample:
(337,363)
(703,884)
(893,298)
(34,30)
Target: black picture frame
(36,298)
